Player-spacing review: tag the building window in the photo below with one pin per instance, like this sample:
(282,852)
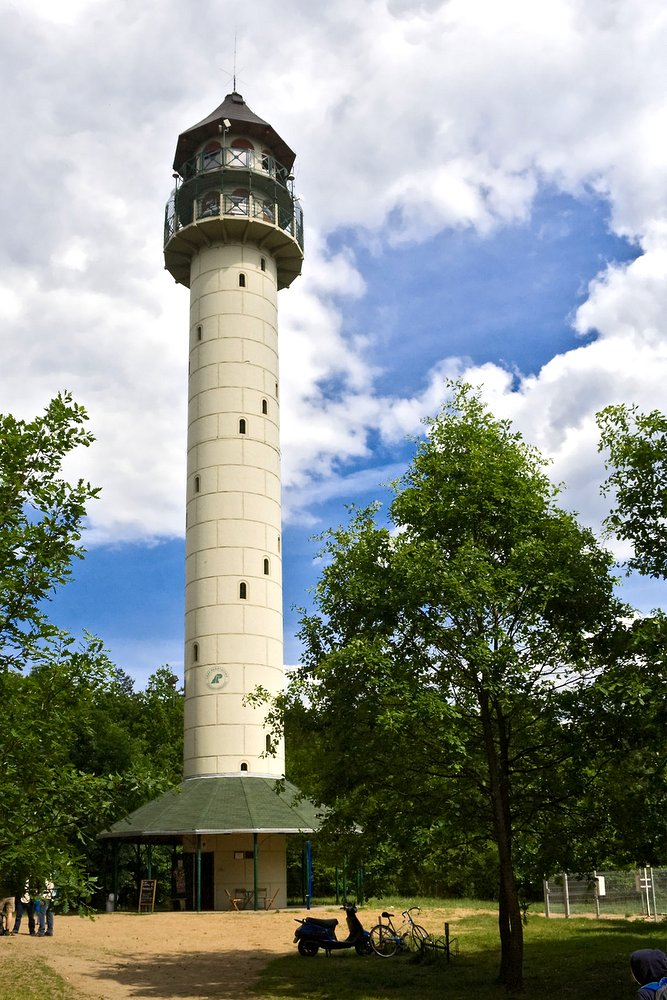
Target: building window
(197,484)
(212,156)
(278,543)
(276,390)
(244,766)
(265,407)
(238,202)
(195,652)
(209,204)
(243,591)
(242,425)
(262,263)
(267,567)
(241,280)
(240,153)
(198,333)
(269,744)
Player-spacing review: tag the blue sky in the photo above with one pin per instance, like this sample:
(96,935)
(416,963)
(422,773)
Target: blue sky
(484,192)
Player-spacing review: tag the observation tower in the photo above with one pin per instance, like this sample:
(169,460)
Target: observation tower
(234,237)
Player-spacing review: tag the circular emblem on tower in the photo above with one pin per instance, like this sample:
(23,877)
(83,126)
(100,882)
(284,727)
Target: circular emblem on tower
(217,677)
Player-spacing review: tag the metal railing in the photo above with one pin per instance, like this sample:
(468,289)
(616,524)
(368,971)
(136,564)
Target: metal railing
(215,204)
(229,157)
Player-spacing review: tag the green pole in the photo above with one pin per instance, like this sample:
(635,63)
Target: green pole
(198,873)
(255,869)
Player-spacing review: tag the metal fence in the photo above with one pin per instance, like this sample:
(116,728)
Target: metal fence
(640,892)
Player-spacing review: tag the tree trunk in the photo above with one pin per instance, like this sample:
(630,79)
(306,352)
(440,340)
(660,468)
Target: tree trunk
(510,922)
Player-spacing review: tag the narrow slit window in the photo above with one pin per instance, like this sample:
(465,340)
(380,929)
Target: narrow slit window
(242,425)
(265,407)
(241,280)
(276,390)
(243,591)
(197,484)
(195,652)
(269,744)
(262,263)
(198,333)
(266,567)
(278,543)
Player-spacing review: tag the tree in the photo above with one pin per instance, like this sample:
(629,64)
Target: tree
(441,648)
(40,521)
(637,465)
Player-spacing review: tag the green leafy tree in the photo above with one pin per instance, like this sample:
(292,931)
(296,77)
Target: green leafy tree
(439,652)
(40,521)
(637,466)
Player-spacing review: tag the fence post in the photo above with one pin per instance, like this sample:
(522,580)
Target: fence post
(566,895)
(547,906)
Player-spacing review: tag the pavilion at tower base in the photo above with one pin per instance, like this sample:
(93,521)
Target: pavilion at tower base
(233,828)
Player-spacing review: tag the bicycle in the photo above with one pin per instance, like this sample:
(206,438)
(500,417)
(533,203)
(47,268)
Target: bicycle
(387,939)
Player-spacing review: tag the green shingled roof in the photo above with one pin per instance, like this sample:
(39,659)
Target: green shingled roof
(220,804)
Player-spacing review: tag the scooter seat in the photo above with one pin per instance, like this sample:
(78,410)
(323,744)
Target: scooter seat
(322,922)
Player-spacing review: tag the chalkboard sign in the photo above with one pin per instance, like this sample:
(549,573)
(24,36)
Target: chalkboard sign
(147,895)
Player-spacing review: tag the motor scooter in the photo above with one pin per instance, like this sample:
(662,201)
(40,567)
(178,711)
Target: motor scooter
(317,932)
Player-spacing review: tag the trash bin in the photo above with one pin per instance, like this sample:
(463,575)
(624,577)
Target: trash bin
(111,902)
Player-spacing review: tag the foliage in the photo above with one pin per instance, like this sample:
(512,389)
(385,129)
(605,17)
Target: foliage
(442,647)
(80,748)
(40,519)
(637,466)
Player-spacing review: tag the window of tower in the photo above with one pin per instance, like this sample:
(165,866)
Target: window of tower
(243,591)
(262,263)
(211,156)
(268,162)
(265,407)
(242,426)
(267,567)
(240,153)
(244,765)
(208,205)
(268,211)
(238,202)
(195,652)
(197,484)
(199,332)
(278,543)
(241,280)
(269,744)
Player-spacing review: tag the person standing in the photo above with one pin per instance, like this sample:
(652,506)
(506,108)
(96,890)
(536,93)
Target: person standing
(7,912)
(24,904)
(45,914)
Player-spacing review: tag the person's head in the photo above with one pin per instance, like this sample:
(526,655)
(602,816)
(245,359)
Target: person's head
(648,965)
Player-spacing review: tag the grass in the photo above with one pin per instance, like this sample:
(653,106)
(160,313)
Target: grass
(569,959)
(30,978)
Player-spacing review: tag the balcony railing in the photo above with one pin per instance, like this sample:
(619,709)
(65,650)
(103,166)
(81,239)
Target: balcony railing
(287,215)
(235,159)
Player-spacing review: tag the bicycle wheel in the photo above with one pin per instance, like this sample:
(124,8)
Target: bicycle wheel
(418,937)
(383,941)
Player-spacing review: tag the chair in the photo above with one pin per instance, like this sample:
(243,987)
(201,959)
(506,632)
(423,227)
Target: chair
(268,903)
(234,900)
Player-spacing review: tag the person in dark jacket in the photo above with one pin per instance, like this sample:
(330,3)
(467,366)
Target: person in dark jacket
(649,968)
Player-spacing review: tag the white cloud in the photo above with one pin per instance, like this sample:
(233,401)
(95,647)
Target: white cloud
(408,118)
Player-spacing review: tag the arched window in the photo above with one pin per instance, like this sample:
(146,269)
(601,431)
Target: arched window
(244,765)
(243,591)
(265,407)
(240,153)
(195,652)
(197,484)
(268,743)
(241,280)
(242,426)
(267,567)
(211,157)
(199,332)
(209,204)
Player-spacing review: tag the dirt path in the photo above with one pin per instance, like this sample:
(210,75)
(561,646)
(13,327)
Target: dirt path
(165,956)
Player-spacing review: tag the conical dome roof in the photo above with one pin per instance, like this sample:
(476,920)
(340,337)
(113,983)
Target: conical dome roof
(243,120)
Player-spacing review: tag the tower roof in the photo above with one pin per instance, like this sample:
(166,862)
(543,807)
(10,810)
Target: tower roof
(244,120)
(220,804)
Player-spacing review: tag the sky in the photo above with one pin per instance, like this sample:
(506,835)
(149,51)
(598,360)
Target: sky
(485,196)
